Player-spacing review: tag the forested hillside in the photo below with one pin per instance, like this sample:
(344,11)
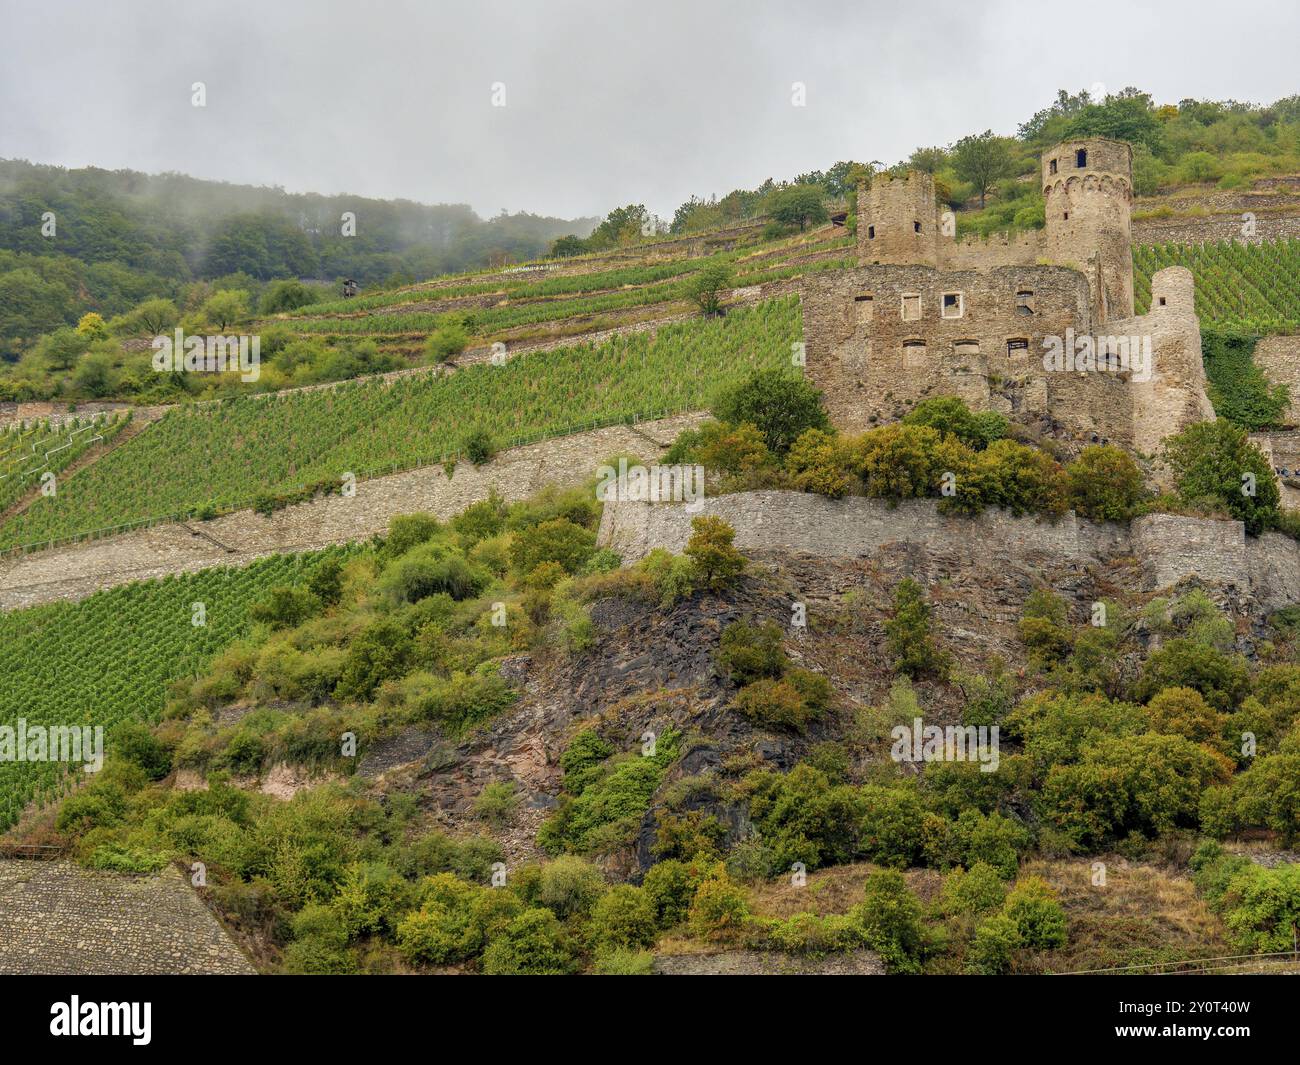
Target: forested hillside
(121,236)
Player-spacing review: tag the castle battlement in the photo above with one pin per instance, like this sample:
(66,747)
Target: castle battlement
(926,314)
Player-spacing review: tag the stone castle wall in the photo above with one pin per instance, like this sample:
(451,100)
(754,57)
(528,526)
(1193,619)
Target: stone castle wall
(879,338)
(1279,359)
(1166,547)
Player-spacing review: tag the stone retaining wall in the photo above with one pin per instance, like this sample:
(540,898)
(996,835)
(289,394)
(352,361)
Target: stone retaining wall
(1166,547)
(58,918)
(78,570)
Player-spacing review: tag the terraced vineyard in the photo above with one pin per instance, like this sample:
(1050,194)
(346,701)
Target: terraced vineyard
(222,456)
(109,658)
(517,304)
(1252,287)
(28,451)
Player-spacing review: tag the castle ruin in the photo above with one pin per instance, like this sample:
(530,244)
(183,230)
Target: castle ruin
(1037,325)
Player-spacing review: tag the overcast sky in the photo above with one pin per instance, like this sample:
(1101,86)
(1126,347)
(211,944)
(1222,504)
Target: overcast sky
(606,102)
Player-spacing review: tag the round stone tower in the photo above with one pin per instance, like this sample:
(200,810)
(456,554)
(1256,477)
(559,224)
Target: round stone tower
(1088,195)
(898,221)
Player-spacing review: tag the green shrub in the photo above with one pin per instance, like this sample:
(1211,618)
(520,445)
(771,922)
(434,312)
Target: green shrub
(777,704)
(949,414)
(570,885)
(813,935)
(908,632)
(624,917)
(1217,461)
(532,944)
(996,940)
(817,463)
(431,569)
(670,888)
(893,826)
(370,899)
(804,818)
(1223,679)
(497,802)
(478,446)
(890,918)
(752,652)
(719,910)
(780,405)
(443,929)
(711,551)
(136,743)
(285,607)
(972,892)
(1261,907)
(449,339)
(558,540)
(1105,484)
(1037,914)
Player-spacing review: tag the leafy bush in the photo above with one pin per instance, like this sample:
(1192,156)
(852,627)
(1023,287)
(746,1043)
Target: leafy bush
(752,652)
(1044,627)
(442,930)
(710,550)
(780,405)
(890,917)
(1262,907)
(624,917)
(570,885)
(285,607)
(1222,679)
(817,463)
(1105,484)
(1037,914)
(670,887)
(972,892)
(478,446)
(907,632)
(719,910)
(497,802)
(532,944)
(996,940)
(781,703)
(1216,461)
(802,817)
(449,339)
(949,414)
(704,287)
(558,540)
(431,569)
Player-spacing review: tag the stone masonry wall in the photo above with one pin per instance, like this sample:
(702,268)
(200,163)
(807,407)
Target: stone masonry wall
(1166,547)
(58,918)
(78,570)
(879,340)
(1212,228)
(1279,359)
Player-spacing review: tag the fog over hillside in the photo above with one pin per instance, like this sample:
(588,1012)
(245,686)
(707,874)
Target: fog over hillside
(602,106)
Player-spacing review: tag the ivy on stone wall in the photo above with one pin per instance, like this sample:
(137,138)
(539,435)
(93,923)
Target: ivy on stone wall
(1237,387)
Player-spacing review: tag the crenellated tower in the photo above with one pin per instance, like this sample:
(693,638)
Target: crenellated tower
(1088,197)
